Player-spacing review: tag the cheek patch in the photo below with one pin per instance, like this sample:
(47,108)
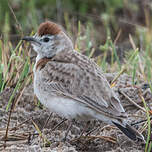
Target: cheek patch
(35,47)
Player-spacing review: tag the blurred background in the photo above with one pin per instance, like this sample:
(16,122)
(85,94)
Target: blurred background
(101,17)
(91,22)
(95,20)
(116,33)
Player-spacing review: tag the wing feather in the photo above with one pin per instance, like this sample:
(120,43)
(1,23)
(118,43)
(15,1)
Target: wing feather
(79,83)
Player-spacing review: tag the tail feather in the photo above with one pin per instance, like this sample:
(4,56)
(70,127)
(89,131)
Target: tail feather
(130,132)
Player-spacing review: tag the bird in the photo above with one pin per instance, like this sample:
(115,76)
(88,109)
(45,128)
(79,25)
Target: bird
(72,85)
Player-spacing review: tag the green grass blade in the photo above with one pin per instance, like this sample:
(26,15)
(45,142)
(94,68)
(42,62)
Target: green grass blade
(23,74)
(149,124)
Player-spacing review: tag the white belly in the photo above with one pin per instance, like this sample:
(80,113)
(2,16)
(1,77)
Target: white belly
(69,108)
(65,107)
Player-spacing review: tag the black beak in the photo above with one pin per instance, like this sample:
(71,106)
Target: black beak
(31,39)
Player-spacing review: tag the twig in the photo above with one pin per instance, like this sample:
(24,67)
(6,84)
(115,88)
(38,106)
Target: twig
(15,128)
(44,139)
(12,143)
(107,138)
(85,128)
(131,101)
(18,24)
(9,118)
(117,37)
(96,129)
(144,128)
(47,121)
(138,122)
(59,124)
(118,75)
(132,42)
(19,95)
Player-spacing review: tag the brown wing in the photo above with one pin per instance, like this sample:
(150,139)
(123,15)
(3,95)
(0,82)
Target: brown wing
(82,81)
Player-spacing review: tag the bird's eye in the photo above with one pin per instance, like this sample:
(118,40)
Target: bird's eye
(46,39)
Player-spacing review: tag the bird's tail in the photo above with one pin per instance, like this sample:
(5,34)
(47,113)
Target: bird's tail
(130,132)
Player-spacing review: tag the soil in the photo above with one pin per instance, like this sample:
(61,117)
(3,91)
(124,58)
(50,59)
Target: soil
(28,119)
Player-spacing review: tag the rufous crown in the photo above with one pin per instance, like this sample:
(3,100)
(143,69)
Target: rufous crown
(48,27)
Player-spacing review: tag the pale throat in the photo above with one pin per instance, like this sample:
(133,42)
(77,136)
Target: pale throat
(37,59)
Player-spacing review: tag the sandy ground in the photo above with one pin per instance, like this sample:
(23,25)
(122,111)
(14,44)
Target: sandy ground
(23,133)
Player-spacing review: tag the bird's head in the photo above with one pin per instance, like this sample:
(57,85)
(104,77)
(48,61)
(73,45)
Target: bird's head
(49,40)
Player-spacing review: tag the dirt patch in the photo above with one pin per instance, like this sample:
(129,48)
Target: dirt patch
(23,135)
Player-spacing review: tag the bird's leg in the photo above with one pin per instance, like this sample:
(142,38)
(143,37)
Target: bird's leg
(92,130)
(68,129)
(60,123)
(46,121)
(84,129)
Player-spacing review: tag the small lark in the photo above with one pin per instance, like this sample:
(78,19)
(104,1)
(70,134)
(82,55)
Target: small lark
(72,85)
